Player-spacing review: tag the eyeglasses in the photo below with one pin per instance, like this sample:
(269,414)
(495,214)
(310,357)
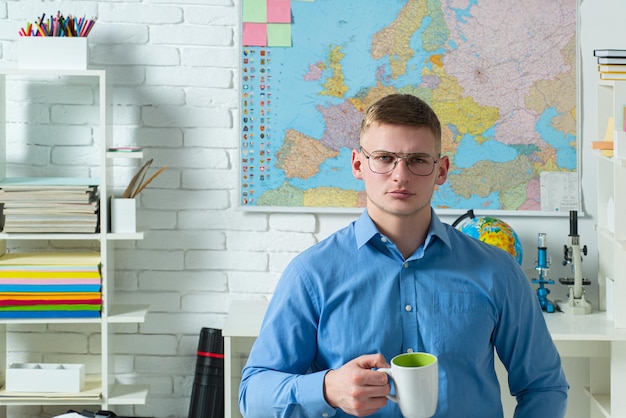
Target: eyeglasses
(383,162)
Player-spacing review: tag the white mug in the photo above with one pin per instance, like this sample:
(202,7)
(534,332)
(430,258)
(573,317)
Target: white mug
(416,381)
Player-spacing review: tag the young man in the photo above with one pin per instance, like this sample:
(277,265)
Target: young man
(398,280)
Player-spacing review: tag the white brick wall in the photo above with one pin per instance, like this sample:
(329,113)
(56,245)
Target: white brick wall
(174,69)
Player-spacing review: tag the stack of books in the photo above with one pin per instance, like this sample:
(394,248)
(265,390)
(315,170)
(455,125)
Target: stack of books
(50,285)
(611,63)
(49,205)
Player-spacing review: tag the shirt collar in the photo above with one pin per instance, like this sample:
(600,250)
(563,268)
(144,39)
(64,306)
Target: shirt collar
(365,230)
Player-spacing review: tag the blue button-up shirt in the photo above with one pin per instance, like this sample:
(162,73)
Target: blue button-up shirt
(456,297)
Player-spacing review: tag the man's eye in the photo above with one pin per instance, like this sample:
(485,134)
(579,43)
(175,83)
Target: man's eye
(385,158)
(417,160)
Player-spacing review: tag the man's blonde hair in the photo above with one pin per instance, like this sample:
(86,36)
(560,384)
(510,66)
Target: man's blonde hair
(402,109)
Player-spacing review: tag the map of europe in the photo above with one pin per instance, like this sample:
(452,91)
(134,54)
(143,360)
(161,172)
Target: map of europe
(501,76)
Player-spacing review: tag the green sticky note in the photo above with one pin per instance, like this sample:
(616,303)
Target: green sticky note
(255,11)
(278,34)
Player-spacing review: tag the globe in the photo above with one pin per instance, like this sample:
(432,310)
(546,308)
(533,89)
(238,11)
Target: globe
(493,231)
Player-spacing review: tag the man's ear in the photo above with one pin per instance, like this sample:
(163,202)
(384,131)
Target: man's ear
(357,164)
(442,170)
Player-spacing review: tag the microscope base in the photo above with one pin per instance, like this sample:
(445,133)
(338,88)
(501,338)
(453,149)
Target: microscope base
(575,306)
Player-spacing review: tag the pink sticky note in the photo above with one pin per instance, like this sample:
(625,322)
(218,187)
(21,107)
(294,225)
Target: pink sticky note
(278,11)
(254,34)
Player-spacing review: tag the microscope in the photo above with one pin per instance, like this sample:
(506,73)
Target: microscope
(572,254)
(542,268)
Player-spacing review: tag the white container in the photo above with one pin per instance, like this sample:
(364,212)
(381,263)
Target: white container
(52,52)
(123,215)
(45,377)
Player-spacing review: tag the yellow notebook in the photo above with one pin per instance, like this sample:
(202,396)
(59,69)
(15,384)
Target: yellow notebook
(50,258)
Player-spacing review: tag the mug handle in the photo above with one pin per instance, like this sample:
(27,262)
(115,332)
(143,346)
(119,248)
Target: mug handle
(388,372)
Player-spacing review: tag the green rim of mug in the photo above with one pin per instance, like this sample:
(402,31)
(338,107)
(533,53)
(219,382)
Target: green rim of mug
(414,360)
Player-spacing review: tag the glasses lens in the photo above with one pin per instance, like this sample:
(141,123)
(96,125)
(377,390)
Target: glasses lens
(419,164)
(382,162)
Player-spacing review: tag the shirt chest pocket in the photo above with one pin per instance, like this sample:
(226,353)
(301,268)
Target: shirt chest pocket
(465,323)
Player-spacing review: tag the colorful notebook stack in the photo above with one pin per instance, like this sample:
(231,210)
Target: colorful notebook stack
(50,285)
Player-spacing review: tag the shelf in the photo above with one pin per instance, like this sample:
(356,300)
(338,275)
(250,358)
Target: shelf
(119,314)
(118,154)
(120,395)
(617,161)
(50,72)
(605,338)
(51,321)
(51,236)
(129,236)
(602,402)
(49,401)
(128,314)
(128,394)
(90,395)
(119,236)
(103,390)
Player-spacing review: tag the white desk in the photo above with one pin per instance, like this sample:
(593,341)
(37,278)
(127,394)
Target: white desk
(240,330)
(591,336)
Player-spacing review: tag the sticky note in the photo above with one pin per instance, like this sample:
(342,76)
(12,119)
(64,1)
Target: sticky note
(254,34)
(255,11)
(278,34)
(278,11)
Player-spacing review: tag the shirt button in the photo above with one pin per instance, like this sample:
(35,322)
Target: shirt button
(324,414)
(408,308)
(383,239)
(406,265)
(410,350)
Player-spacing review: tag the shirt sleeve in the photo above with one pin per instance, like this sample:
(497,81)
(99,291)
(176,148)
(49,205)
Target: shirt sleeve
(525,346)
(278,379)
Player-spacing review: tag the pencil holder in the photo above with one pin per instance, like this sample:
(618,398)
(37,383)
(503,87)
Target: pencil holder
(52,52)
(123,215)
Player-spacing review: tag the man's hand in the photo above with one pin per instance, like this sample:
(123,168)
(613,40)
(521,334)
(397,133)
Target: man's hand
(355,388)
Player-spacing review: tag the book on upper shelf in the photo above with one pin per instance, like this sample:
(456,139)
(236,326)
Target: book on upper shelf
(49,181)
(49,204)
(612,68)
(59,189)
(614,53)
(49,208)
(89,258)
(611,60)
(51,195)
(612,76)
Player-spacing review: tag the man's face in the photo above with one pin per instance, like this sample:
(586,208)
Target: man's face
(399,192)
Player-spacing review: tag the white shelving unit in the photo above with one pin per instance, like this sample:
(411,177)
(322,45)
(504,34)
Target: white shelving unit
(607,388)
(108,392)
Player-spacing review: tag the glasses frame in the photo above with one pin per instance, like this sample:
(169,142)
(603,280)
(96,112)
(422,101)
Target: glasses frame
(398,157)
